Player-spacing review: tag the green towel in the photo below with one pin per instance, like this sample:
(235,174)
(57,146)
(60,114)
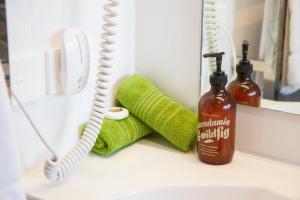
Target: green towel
(118,134)
(176,123)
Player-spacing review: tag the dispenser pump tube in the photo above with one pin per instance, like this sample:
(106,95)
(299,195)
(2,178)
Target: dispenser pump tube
(245,47)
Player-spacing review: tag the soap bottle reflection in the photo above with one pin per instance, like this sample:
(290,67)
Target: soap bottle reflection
(243,88)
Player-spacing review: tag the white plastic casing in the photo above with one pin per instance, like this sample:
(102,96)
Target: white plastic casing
(75,61)
(27,76)
(53,70)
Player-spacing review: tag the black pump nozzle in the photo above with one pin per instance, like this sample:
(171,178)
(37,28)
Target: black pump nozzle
(244,66)
(218,77)
(245,47)
(218,57)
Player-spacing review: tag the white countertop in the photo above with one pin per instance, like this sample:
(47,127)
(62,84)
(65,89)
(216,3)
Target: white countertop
(154,163)
(283,106)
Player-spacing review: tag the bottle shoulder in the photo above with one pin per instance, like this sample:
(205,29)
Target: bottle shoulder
(247,86)
(222,100)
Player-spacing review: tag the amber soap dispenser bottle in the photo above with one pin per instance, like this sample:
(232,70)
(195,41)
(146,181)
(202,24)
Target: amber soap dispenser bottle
(243,89)
(217,116)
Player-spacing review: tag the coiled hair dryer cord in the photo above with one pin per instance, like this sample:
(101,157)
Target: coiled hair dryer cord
(57,170)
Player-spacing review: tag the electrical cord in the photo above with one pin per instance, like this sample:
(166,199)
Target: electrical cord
(36,130)
(233,50)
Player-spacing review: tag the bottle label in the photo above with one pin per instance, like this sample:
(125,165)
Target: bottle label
(211,131)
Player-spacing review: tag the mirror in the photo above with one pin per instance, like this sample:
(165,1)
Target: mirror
(271,28)
(3,41)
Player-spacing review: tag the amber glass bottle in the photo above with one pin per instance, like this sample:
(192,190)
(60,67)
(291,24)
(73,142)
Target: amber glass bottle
(217,116)
(243,89)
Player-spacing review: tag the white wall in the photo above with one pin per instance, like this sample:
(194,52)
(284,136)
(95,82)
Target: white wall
(34,26)
(168,46)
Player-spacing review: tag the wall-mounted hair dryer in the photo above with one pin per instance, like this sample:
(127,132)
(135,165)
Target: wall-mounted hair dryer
(75,59)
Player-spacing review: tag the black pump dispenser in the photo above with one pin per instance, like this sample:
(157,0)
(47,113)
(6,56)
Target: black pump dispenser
(219,76)
(244,65)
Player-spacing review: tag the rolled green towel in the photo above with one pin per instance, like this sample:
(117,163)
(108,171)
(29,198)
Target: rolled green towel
(118,134)
(173,121)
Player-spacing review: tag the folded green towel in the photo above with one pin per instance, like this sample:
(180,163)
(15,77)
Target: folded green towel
(176,123)
(118,134)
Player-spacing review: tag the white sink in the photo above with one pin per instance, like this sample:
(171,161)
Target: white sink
(167,175)
(204,192)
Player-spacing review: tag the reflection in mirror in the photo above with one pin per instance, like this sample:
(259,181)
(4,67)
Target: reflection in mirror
(271,28)
(3,41)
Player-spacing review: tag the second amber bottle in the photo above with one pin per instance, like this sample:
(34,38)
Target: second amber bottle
(243,89)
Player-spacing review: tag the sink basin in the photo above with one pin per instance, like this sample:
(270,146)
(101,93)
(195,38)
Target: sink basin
(204,192)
